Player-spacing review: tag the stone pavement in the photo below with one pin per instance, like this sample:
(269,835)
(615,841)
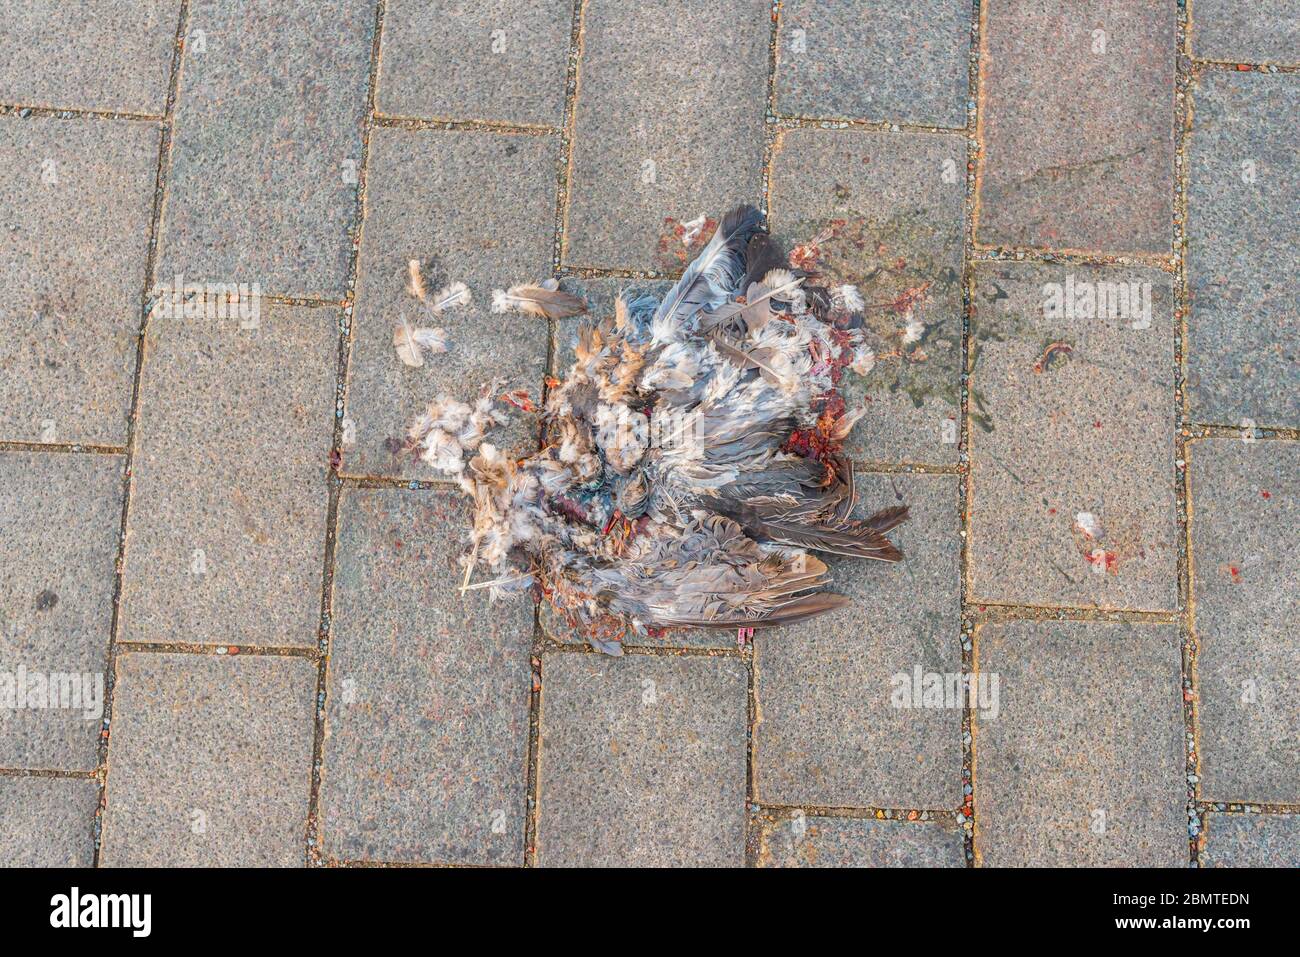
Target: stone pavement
(229,627)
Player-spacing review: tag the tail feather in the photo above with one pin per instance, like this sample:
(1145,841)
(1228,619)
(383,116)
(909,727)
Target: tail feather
(887,518)
(857,541)
(789,613)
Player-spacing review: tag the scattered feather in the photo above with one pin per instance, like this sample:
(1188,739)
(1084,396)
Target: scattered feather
(537,300)
(864,360)
(411,343)
(848,299)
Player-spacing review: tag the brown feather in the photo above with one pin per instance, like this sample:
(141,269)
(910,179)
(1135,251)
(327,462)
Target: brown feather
(537,301)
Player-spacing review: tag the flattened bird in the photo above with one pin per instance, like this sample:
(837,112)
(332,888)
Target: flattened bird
(693,463)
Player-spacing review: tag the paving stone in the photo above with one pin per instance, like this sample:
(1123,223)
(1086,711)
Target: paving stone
(226,533)
(668,124)
(828,731)
(857,842)
(59,521)
(887,210)
(47,822)
(477,208)
(1249,31)
(88,54)
(1245,507)
(642,761)
(1078,143)
(1242,259)
(210,762)
(1084,764)
(894,62)
(496,60)
(427,735)
(1072,439)
(76,197)
(269,117)
(1251,840)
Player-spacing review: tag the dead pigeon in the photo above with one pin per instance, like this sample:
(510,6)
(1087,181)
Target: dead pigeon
(693,459)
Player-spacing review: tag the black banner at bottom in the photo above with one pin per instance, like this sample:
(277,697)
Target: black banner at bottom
(214,906)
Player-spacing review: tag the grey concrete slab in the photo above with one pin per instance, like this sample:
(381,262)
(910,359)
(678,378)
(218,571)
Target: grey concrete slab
(474,207)
(60,515)
(1246,31)
(267,145)
(885,212)
(803,840)
(1251,840)
(111,55)
(1085,764)
(428,696)
(1242,258)
(668,120)
(1077,125)
(830,731)
(76,197)
(1245,603)
(1072,438)
(210,761)
(226,534)
(642,761)
(899,61)
(498,60)
(47,822)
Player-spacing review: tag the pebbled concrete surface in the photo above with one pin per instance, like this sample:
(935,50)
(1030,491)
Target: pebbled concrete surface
(502,142)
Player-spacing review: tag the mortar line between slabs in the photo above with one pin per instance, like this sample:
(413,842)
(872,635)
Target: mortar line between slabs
(232,651)
(550,646)
(311,832)
(533,755)
(965,815)
(564,175)
(571,271)
(1247,807)
(983,253)
(936,816)
(794,121)
(409,865)
(976,859)
(315,302)
(1240,66)
(56,773)
(771,132)
(62,448)
(1184,80)
(391,121)
(151,262)
(985,611)
(72,112)
(1261,433)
